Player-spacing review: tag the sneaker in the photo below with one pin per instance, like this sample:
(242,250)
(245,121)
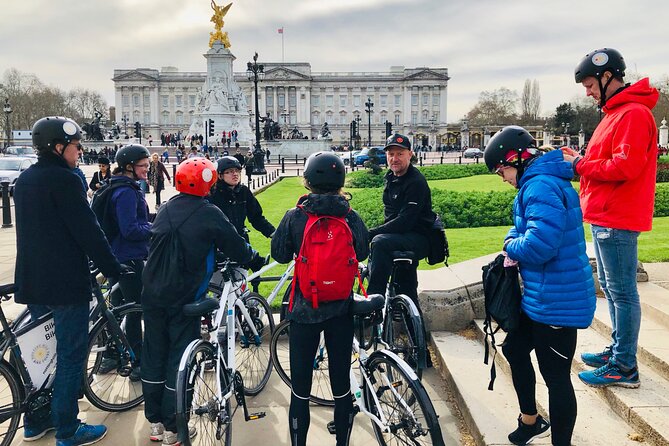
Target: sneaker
(597,359)
(32,433)
(85,434)
(107,365)
(172,438)
(157,431)
(611,375)
(526,433)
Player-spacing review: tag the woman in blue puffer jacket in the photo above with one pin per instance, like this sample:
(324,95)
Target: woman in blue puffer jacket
(548,243)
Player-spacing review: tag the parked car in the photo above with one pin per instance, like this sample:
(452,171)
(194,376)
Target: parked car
(11,167)
(368,152)
(346,157)
(473,152)
(26,151)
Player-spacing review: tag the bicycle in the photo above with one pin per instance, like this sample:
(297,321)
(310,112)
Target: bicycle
(27,381)
(400,331)
(208,377)
(385,389)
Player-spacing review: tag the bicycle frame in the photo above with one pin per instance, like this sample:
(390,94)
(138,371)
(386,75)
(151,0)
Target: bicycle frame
(282,279)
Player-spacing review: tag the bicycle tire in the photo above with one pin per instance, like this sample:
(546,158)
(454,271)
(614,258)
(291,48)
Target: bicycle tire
(9,381)
(397,388)
(253,356)
(403,332)
(112,391)
(197,402)
(321,393)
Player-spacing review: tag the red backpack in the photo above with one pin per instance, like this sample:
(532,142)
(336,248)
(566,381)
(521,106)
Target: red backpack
(326,265)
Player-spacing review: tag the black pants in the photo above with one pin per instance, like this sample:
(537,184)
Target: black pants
(167,333)
(304,340)
(132,292)
(381,262)
(555,349)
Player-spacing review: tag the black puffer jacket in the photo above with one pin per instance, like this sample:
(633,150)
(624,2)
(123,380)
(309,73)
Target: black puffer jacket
(407,202)
(287,241)
(238,204)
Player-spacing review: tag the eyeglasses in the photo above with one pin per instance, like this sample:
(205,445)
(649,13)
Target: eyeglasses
(79,147)
(500,170)
(232,172)
(143,166)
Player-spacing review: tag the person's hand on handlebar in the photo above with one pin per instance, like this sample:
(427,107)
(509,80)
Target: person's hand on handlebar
(257,262)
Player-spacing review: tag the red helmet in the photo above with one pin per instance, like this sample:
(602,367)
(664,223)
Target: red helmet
(195,176)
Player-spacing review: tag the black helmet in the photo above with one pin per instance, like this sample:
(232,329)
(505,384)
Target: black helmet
(130,154)
(398,140)
(228,162)
(103,160)
(52,130)
(511,137)
(325,171)
(597,62)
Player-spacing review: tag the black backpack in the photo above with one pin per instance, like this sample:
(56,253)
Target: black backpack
(100,204)
(501,288)
(166,264)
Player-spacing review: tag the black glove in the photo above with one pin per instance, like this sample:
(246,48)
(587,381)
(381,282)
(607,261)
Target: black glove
(257,262)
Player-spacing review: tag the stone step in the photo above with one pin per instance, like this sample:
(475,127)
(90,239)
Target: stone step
(654,302)
(491,415)
(592,423)
(646,409)
(653,348)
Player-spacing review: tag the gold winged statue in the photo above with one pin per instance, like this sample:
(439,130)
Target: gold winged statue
(217,20)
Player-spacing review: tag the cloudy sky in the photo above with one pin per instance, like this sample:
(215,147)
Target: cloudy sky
(485,44)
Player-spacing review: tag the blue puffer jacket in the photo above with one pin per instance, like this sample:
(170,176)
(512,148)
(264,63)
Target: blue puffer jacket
(548,241)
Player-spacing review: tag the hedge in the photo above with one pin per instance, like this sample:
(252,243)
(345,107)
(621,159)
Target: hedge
(470,209)
(662,170)
(366,179)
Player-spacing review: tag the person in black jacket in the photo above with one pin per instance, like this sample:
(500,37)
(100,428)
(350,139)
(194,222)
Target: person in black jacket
(56,235)
(102,175)
(202,229)
(407,203)
(324,177)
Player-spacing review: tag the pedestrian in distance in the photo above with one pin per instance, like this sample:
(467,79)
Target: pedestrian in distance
(547,241)
(199,228)
(324,175)
(56,235)
(102,175)
(249,163)
(157,174)
(617,196)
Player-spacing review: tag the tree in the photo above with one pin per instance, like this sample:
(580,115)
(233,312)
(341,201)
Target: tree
(530,102)
(495,107)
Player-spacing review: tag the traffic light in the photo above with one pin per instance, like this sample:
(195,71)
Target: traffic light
(138,129)
(354,129)
(389,129)
(211,127)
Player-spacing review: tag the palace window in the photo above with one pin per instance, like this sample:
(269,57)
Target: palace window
(397,119)
(316,101)
(398,100)
(414,99)
(165,100)
(356,101)
(179,101)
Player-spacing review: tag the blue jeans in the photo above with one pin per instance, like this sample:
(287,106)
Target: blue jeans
(616,253)
(71,325)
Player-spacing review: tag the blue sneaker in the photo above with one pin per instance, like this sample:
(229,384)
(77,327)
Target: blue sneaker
(610,375)
(85,434)
(597,359)
(32,433)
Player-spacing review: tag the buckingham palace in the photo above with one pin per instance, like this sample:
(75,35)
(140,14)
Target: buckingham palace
(413,100)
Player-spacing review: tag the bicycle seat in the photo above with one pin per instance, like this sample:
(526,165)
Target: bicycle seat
(404,256)
(201,307)
(361,306)
(6,290)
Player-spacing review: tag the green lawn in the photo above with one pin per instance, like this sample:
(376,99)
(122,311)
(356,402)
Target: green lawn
(465,244)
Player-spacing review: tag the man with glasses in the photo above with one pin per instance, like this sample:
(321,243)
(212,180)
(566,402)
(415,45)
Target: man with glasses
(56,234)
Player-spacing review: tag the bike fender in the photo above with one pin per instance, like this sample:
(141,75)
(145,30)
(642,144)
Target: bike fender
(400,362)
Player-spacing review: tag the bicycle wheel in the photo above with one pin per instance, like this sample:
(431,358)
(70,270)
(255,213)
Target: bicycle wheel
(198,402)
(252,355)
(402,400)
(321,393)
(11,396)
(109,383)
(403,332)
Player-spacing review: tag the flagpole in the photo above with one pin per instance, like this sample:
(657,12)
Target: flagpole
(282,52)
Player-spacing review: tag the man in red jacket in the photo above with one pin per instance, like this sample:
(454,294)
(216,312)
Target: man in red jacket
(617,196)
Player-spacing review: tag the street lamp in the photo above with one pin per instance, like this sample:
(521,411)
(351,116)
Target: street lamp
(565,131)
(256,72)
(433,130)
(357,136)
(369,104)
(8,111)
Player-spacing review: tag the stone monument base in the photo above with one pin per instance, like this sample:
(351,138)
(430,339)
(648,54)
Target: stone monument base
(290,147)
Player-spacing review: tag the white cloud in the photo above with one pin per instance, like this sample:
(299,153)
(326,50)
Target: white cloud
(485,44)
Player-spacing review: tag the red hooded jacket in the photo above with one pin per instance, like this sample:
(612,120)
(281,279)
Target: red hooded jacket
(619,166)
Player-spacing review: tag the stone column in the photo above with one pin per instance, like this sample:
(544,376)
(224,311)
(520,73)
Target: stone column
(443,105)
(664,134)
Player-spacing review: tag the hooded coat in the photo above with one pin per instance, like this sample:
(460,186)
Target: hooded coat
(548,241)
(619,167)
